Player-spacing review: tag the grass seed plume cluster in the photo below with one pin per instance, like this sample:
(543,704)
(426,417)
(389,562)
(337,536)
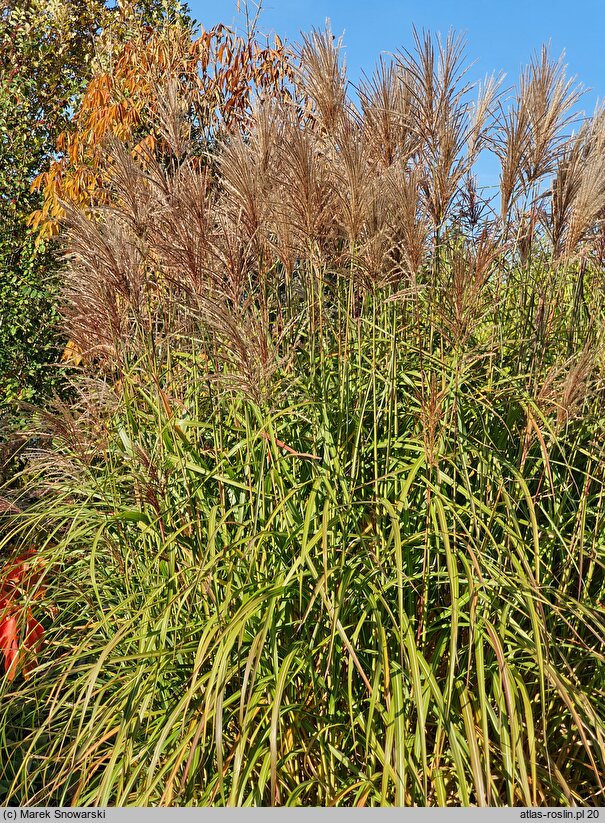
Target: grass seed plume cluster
(324,524)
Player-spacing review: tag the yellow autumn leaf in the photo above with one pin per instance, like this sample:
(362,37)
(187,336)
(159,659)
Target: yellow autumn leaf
(72,354)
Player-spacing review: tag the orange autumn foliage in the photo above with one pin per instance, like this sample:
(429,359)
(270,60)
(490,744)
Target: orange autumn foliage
(215,76)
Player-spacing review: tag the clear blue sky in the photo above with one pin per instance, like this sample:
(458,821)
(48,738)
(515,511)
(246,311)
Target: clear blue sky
(501,34)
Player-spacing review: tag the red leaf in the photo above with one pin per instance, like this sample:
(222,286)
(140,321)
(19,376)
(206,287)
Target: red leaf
(8,645)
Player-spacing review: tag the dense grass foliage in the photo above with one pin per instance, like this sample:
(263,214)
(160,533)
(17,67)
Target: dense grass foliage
(325,524)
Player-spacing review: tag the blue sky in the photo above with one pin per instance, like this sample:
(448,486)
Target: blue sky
(501,34)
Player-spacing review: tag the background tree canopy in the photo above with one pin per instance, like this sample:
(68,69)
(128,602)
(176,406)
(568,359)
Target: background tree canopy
(47,56)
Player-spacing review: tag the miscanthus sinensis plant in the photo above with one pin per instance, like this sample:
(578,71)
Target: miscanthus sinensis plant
(324,525)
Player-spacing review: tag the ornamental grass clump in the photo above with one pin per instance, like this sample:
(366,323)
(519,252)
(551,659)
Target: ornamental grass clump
(324,525)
